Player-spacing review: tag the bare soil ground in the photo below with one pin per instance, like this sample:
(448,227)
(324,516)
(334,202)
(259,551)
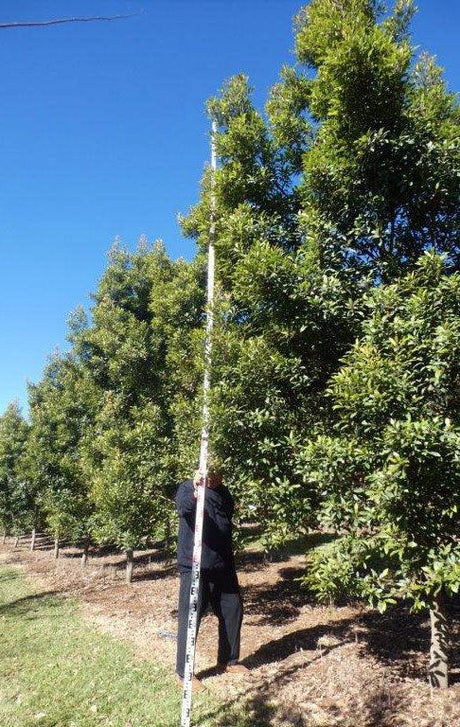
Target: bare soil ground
(310,665)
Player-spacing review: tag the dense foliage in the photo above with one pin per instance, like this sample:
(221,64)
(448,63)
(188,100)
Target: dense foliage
(352,174)
(17,502)
(335,369)
(390,468)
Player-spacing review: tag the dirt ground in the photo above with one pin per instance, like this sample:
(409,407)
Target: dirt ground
(310,665)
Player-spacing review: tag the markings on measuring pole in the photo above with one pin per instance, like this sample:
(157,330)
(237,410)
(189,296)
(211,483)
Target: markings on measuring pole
(203,468)
(193,610)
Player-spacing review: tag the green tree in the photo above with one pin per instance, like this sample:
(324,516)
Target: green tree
(135,353)
(380,177)
(352,174)
(390,470)
(284,315)
(16,500)
(60,410)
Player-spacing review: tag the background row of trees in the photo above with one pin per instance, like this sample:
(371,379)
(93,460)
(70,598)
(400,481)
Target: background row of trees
(336,375)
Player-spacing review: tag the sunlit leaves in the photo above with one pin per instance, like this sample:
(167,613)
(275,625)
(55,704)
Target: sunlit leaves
(390,474)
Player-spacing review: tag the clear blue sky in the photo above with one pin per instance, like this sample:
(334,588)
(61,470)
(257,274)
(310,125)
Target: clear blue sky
(103,134)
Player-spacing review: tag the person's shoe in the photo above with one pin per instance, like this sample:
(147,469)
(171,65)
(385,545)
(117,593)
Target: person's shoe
(233,668)
(197,685)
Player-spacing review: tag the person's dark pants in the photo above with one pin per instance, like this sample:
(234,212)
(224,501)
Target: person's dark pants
(220,589)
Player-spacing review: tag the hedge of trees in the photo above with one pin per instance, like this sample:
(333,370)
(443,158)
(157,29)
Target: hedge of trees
(335,373)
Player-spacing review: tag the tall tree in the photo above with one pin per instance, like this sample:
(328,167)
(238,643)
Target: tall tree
(351,177)
(389,472)
(16,501)
(60,411)
(130,351)
(284,317)
(380,179)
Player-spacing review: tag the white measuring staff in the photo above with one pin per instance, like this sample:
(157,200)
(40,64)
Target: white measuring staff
(197,544)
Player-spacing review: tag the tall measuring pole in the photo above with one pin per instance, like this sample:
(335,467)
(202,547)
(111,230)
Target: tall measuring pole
(203,467)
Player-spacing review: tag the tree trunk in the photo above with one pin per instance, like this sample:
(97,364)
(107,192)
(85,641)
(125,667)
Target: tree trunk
(168,543)
(438,671)
(56,547)
(129,565)
(16,541)
(32,540)
(168,533)
(4,538)
(84,557)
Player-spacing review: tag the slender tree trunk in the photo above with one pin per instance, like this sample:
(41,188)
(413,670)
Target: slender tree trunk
(168,533)
(56,547)
(168,543)
(4,538)
(438,671)
(16,541)
(34,529)
(129,565)
(84,557)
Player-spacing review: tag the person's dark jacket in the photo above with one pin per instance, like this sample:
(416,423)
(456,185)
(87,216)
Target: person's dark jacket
(217,550)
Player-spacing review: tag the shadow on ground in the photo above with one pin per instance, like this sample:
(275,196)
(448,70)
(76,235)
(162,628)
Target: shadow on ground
(28,606)
(303,639)
(280,602)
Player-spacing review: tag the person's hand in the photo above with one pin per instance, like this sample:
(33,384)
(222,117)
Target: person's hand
(197,481)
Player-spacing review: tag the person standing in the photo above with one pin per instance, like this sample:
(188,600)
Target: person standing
(218,582)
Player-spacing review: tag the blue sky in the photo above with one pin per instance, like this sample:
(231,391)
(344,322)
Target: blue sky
(103,134)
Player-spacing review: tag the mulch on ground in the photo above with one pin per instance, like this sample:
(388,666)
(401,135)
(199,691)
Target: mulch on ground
(310,665)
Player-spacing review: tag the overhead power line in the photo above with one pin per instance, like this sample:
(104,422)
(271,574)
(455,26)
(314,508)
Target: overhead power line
(61,21)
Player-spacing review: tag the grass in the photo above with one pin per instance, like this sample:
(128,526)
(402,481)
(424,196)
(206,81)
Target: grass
(58,671)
